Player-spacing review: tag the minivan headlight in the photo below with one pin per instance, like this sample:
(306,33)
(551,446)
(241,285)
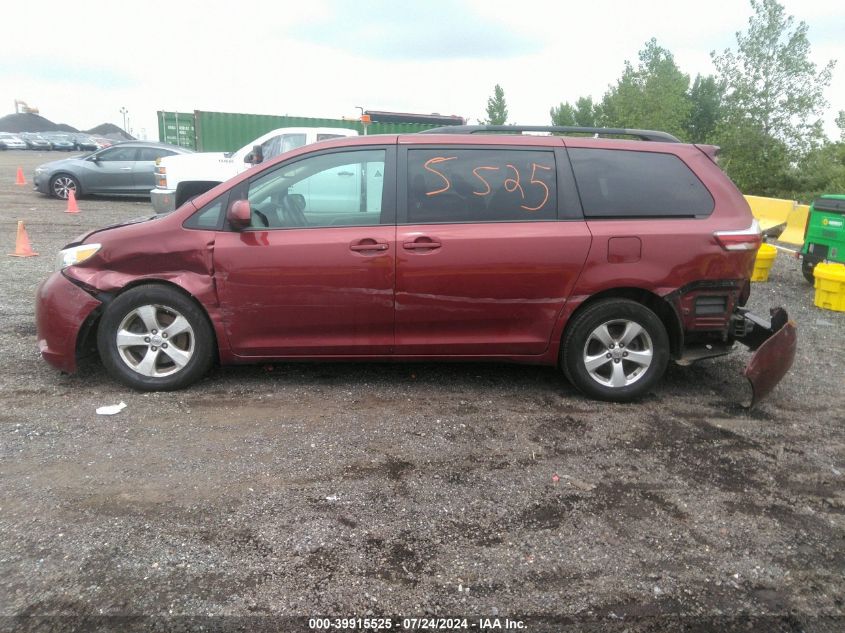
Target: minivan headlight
(76,255)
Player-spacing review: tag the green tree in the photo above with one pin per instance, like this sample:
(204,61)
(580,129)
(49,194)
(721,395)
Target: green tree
(823,169)
(586,112)
(497,109)
(757,162)
(771,85)
(653,95)
(583,113)
(705,97)
(820,171)
(564,114)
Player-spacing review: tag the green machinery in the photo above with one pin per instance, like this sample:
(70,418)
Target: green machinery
(824,238)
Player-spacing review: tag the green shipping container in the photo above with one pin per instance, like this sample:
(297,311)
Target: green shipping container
(177,128)
(229,131)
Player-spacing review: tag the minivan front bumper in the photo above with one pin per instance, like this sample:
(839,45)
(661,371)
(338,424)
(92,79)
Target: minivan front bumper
(61,310)
(773,342)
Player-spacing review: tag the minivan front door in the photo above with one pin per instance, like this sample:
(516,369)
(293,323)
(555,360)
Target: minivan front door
(310,277)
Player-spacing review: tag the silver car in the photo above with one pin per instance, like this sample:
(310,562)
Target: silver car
(11,141)
(36,141)
(125,169)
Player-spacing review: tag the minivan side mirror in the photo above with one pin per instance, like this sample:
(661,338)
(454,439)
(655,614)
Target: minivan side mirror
(239,214)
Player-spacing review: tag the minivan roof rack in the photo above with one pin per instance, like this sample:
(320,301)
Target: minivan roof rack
(643,135)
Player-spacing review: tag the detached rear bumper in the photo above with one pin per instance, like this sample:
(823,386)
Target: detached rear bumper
(774,343)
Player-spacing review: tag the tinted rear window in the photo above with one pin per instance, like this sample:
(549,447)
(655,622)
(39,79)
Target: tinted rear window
(483,185)
(619,183)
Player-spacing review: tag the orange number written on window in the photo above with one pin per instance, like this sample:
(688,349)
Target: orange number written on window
(534,181)
(436,160)
(511,184)
(475,171)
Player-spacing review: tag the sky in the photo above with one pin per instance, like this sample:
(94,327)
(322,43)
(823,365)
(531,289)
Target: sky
(326,58)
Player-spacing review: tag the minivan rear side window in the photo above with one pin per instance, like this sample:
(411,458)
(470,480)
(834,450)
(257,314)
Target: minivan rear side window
(622,184)
(481,185)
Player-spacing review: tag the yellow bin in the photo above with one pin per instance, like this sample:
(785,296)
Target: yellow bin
(763,264)
(830,286)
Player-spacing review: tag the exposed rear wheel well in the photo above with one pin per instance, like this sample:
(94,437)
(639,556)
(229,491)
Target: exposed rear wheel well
(662,308)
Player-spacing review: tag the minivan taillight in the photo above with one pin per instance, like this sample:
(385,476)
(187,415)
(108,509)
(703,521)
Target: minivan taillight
(743,240)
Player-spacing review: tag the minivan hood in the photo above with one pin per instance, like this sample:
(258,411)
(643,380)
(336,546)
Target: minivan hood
(80,239)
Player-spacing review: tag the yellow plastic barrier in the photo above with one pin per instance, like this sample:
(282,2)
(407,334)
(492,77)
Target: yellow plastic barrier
(770,212)
(830,286)
(796,222)
(763,264)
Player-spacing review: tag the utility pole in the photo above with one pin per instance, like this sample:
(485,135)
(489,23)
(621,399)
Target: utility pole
(124,112)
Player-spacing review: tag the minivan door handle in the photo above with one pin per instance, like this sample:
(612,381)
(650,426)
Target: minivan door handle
(368,244)
(420,243)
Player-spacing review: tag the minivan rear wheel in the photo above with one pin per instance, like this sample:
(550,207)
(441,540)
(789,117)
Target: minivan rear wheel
(154,338)
(616,349)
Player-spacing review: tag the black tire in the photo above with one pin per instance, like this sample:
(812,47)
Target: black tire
(148,357)
(636,365)
(61,184)
(808,265)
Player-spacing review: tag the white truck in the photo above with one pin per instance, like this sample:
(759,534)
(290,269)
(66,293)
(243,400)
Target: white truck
(185,176)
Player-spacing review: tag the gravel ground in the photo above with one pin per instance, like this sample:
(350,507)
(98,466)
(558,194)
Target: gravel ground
(471,490)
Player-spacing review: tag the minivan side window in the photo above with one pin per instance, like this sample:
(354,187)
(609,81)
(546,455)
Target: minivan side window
(208,217)
(336,189)
(481,185)
(631,184)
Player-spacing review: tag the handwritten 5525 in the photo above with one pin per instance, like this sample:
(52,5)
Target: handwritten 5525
(512,182)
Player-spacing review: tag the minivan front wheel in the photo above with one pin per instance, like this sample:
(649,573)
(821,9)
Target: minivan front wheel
(615,350)
(154,338)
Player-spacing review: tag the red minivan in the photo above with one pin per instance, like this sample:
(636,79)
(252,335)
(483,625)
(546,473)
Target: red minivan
(603,256)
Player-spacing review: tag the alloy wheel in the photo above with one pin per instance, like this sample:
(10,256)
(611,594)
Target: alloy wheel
(618,353)
(155,340)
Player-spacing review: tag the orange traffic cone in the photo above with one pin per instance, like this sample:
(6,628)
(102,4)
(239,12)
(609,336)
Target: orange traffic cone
(72,207)
(20,180)
(22,246)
